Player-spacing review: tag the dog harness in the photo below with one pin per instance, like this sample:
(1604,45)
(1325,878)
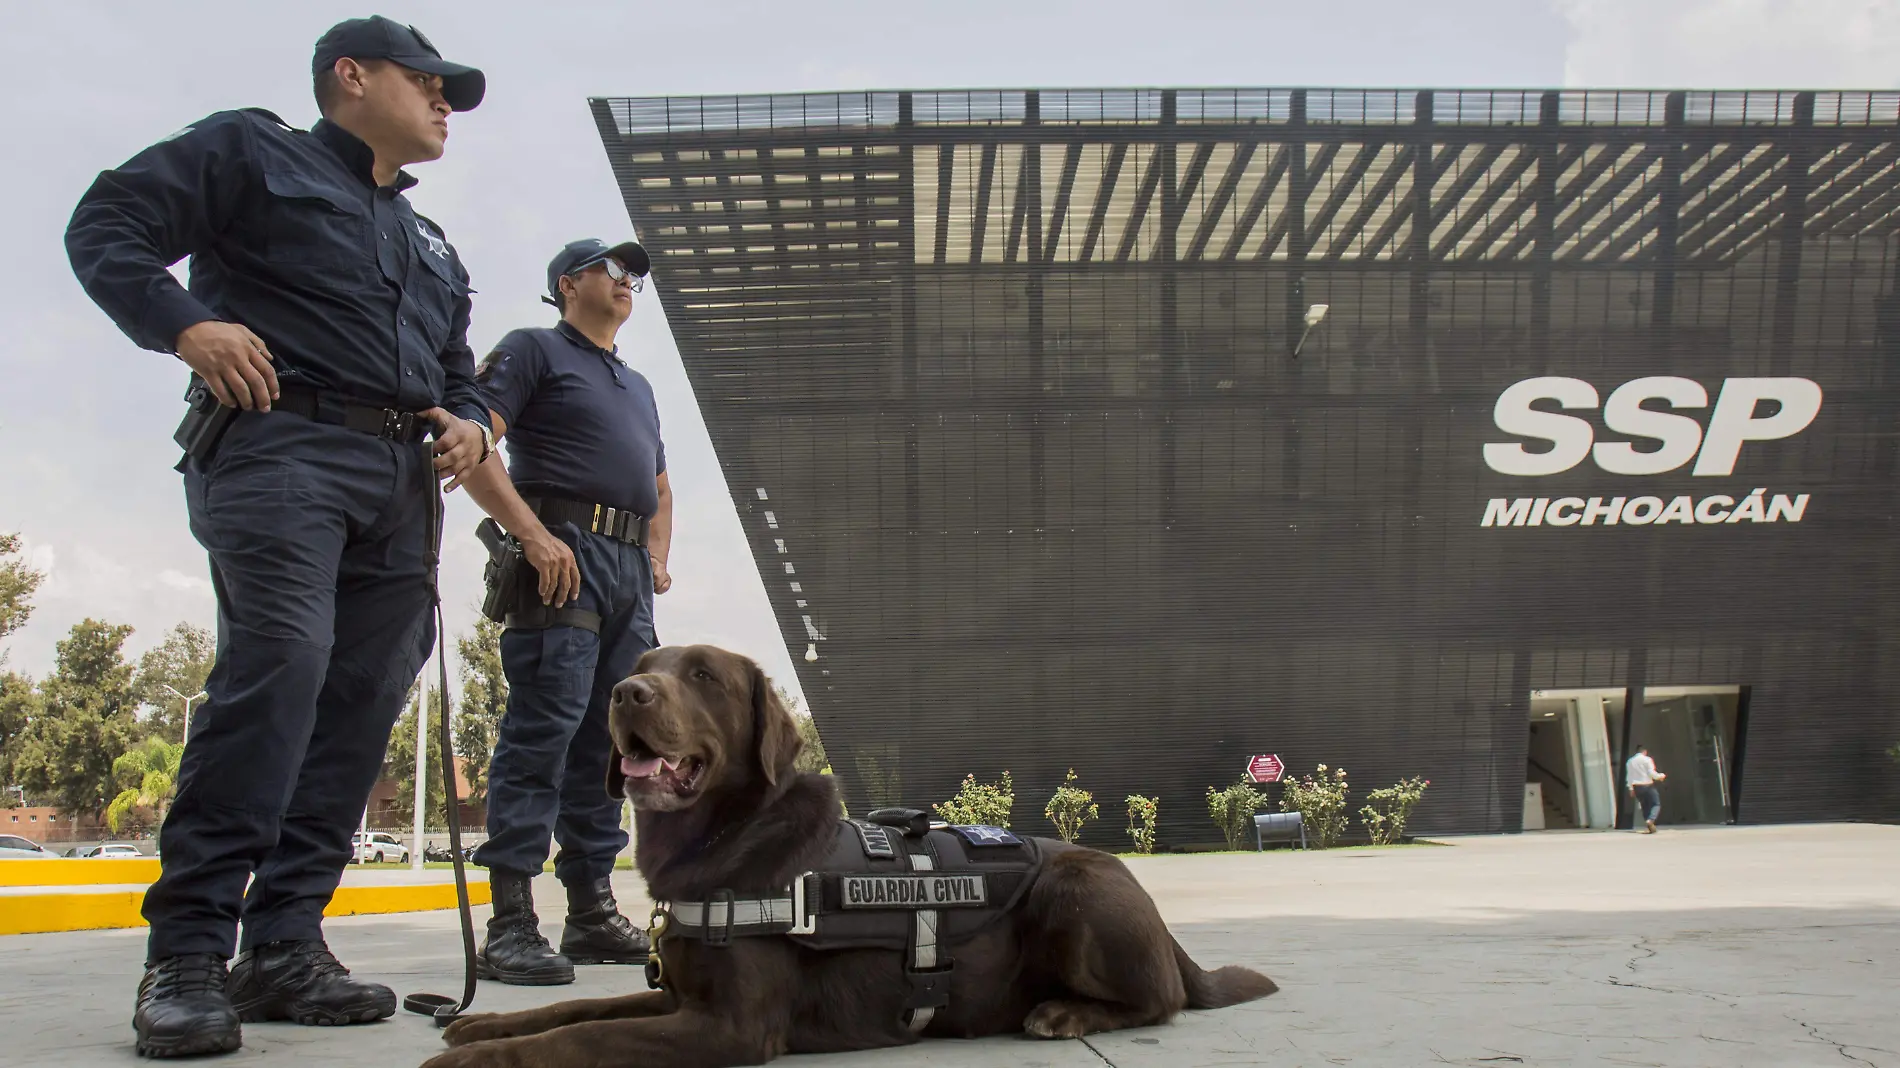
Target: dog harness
(893,880)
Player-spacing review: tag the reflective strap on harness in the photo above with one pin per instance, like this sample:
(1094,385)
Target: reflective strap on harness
(740,915)
(923,949)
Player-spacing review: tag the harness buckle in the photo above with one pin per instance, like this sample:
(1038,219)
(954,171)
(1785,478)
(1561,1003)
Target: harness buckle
(716,935)
(803,922)
(929,989)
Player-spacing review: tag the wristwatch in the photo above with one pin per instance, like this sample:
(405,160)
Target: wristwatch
(488,443)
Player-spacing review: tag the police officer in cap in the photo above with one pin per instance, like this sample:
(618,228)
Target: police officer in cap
(327,319)
(590,504)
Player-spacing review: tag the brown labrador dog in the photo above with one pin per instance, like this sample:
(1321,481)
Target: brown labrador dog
(719,806)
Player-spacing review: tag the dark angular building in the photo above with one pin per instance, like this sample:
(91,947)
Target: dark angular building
(1591,440)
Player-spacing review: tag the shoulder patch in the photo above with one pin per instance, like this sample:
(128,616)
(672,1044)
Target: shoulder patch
(986,836)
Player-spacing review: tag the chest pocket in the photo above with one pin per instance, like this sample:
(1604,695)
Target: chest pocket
(432,284)
(310,223)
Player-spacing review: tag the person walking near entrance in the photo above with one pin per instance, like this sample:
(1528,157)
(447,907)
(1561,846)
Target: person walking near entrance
(1642,776)
(325,328)
(590,503)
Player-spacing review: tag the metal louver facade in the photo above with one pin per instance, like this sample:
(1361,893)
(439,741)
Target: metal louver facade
(1004,387)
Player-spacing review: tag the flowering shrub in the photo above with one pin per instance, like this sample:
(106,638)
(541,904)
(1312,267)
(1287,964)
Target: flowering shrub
(1070,808)
(1387,810)
(1321,802)
(1232,810)
(981,805)
(1142,812)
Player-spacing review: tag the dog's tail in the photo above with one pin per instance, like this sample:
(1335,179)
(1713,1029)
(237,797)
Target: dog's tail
(1222,986)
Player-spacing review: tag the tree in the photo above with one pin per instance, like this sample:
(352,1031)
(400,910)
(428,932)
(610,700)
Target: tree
(84,721)
(19,706)
(148,779)
(17,585)
(182,661)
(399,764)
(484,699)
(90,668)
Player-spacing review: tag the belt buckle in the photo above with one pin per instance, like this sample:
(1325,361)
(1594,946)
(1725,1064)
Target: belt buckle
(803,922)
(395,424)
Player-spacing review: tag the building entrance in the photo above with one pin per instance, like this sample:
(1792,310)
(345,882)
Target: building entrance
(1574,761)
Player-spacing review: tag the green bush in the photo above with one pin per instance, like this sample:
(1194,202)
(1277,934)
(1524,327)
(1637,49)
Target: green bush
(1142,813)
(1387,810)
(1232,810)
(980,804)
(1321,802)
(1070,807)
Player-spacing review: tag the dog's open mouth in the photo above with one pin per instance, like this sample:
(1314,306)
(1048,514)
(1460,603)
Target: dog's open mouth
(646,770)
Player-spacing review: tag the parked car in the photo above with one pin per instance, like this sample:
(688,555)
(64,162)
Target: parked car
(13,847)
(112,849)
(380,847)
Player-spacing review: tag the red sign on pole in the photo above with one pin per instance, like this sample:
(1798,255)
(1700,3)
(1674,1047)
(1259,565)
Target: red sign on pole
(1265,768)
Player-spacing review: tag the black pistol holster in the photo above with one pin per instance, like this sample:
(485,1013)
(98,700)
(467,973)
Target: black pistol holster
(205,422)
(511,593)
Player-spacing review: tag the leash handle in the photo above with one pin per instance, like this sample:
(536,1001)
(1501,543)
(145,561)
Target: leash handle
(444,1010)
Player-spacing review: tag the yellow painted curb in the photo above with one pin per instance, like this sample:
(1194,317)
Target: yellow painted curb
(95,910)
(107,871)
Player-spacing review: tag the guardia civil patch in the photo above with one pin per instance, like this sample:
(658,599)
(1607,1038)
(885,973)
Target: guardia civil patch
(912,891)
(986,836)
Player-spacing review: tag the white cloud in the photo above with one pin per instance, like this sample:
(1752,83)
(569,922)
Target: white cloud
(1722,44)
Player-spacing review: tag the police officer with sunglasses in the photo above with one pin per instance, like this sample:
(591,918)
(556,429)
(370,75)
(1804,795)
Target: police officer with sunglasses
(590,505)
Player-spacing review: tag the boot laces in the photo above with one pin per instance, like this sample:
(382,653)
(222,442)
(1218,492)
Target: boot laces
(317,962)
(528,927)
(184,976)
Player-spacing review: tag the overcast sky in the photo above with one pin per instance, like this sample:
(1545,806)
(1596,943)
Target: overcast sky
(86,418)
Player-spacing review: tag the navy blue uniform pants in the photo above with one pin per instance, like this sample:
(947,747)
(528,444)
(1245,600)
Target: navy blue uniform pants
(548,777)
(318,539)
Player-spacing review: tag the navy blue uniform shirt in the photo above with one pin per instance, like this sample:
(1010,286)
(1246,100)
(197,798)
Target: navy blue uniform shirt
(290,236)
(581,424)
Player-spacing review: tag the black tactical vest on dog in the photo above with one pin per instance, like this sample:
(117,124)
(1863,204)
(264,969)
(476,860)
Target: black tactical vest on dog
(892,881)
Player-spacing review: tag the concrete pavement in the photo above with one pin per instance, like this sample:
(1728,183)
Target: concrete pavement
(1720,947)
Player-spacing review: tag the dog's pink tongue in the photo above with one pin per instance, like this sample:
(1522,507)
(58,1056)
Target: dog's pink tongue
(639,769)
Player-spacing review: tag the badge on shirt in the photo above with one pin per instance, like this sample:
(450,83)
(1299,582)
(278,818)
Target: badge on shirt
(436,244)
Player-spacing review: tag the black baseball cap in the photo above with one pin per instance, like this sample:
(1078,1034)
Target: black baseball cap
(577,256)
(379,38)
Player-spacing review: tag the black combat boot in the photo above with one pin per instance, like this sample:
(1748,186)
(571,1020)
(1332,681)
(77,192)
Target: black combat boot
(596,932)
(302,982)
(183,1010)
(515,952)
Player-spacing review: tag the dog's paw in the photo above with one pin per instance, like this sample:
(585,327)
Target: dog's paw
(477,1055)
(478,1028)
(1056,1019)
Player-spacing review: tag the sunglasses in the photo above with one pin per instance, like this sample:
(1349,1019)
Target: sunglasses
(617,272)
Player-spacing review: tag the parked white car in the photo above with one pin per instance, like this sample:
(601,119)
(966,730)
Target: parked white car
(379,847)
(13,847)
(113,849)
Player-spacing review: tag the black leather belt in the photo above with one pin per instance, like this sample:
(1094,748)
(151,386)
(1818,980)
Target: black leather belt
(619,524)
(322,406)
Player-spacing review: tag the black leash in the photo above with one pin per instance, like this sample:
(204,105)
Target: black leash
(440,1006)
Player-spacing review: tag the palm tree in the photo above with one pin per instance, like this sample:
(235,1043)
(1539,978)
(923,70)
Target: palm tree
(153,765)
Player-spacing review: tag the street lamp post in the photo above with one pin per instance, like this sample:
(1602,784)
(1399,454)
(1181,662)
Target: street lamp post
(185,735)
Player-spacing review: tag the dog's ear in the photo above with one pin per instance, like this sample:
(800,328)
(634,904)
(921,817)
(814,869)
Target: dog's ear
(773,729)
(616,779)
